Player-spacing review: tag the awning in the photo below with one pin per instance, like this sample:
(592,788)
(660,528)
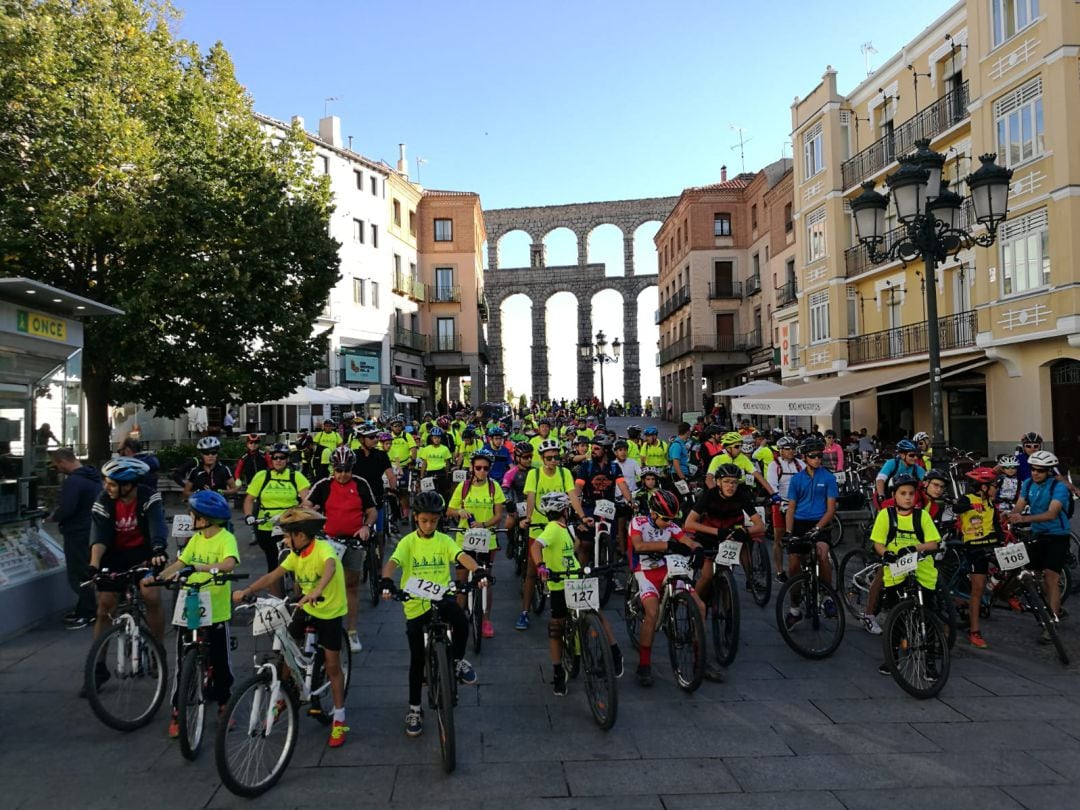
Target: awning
(347,396)
(403,397)
(402,380)
(749,389)
(303,396)
(954,371)
(820,397)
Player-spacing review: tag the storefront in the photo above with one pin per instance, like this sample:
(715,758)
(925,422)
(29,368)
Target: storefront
(41,338)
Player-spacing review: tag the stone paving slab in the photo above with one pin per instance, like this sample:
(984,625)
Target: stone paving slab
(666,776)
(919,798)
(998,735)
(854,738)
(788,800)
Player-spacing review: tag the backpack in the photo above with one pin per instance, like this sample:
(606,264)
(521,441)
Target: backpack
(1068,505)
(467,485)
(916,523)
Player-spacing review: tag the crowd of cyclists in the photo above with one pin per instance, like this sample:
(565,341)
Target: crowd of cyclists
(322,507)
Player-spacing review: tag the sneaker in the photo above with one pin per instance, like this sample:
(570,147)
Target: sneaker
(715,673)
(465,673)
(644,676)
(79,622)
(792,618)
(870,624)
(487,630)
(781,576)
(830,607)
(523,621)
(414,722)
(558,683)
(70,616)
(174,725)
(1045,637)
(337,734)
(354,642)
(976,640)
(617,659)
(884,669)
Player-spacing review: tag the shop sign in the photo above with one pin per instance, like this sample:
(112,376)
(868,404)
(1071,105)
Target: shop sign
(43,326)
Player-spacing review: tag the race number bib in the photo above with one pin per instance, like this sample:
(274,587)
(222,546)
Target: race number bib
(904,566)
(677,565)
(338,546)
(459,475)
(277,531)
(183,526)
(476,540)
(728,552)
(427,484)
(424,588)
(583,594)
(749,479)
(682,487)
(604,509)
(522,508)
(1012,556)
(193,610)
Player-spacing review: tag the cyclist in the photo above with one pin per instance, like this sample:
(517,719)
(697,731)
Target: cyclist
(211,473)
(980,528)
(1046,499)
(435,458)
(832,458)
(478,502)
(599,478)
(653,450)
(762,453)
(324,444)
(651,538)
(631,472)
(733,454)
(469,445)
(553,552)
(305,447)
(633,442)
(254,460)
(543,434)
(578,452)
(922,442)
(901,529)
(906,462)
(650,481)
(548,478)
(318,572)
(679,457)
(269,494)
(502,457)
(429,554)
(374,466)
(933,496)
(127,529)
(1009,483)
(779,475)
(812,497)
(350,507)
(211,549)
(513,483)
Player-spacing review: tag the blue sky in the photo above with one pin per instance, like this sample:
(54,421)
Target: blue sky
(555,102)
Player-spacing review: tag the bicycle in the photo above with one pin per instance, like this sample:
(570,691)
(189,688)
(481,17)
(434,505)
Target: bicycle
(809,607)
(373,560)
(585,644)
(914,639)
(602,552)
(477,544)
(125,673)
(266,707)
(191,616)
(1014,559)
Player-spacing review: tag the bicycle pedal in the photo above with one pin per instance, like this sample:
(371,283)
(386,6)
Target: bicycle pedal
(234,644)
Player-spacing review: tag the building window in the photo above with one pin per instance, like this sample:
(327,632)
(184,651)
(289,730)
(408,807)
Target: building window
(397,371)
(756,263)
(753,216)
(375,294)
(412,269)
(358,231)
(374,235)
(815,236)
(789,225)
(444,283)
(444,334)
(852,311)
(412,223)
(1010,17)
(819,317)
(813,151)
(790,267)
(444,230)
(1019,119)
(721,224)
(397,264)
(397,213)
(324,163)
(374,186)
(1025,253)
(358,291)
(359,175)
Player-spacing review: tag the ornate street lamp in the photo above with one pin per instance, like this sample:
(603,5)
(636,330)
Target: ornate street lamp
(597,353)
(930,214)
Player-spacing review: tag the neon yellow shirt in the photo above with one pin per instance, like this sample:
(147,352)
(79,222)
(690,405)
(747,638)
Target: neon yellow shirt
(428,558)
(308,567)
(557,552)
(436,456)
(467,449)
(742,461)
(480,501)
(540,483)
(633,450)
(401,448)
(654,455)
(203,550)
(276,491)
(925,571)
(327,440)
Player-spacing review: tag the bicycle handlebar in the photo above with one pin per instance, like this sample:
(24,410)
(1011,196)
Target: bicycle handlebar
(181,581)
(105,575)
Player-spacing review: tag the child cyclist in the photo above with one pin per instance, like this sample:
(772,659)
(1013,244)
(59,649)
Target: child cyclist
(981,528)
(212,549)
(318,572)
(553,553)
(429,554)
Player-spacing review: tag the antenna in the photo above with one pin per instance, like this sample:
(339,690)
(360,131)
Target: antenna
(326,104)
(868,50)
(419,162)
(742,144)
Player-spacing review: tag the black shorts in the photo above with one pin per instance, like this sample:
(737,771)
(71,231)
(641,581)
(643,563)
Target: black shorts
(979,557)
(328,631)
(1049,552)
(122,560)
(801,527)
(558,605)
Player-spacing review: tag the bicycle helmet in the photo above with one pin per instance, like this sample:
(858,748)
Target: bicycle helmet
(279,447)
(554,503)
(981,475)
(812,446)
(125,469)
(1042,458)
(728,471)
(935,475)
(410,429)
(633,431)
(329,422)
(731,438)
(468,433)
(428,502)
(385,437)
(1008,462)
(349,416)
(367,431)
(655,472)
(787,443)
(300,519)
(494,432)
(210,505)
(1031,438)
(906,446)
(544,421)
(904,480)
(485,454)
(921,436)
(398,419)
(436,433)
(651,430)
(621,444)
(208,444)
(443,422)
(581,440)
(664,503)
(603,441)
(547,445)
(522,449)
(342,457)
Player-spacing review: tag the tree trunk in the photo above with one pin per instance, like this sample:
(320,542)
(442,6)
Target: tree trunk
(96,390)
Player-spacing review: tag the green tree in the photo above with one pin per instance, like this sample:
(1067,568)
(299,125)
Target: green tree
(133,171)
(523,404)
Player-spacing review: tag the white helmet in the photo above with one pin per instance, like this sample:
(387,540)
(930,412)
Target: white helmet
(547,445)
(207,443)
(921,436)
(1043,458)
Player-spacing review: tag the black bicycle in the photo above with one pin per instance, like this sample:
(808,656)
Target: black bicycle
(809,615)
(1014,559)
(914,638)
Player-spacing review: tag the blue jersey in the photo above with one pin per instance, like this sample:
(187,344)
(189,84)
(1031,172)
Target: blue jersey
(811,493)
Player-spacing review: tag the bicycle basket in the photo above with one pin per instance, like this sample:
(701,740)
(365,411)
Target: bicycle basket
(270,614)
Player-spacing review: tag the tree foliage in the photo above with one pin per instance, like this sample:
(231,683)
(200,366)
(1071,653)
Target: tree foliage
(133,171)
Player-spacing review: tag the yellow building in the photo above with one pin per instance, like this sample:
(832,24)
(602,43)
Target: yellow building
(988,76)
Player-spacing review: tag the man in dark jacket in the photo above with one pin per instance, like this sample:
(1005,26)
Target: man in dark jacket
(77,495)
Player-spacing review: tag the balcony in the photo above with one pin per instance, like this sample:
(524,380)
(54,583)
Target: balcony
(857,260)
(676,302)
(445,343)
(954,332)
(677,349)
(708,342)
(786,294)
(417,291)
(402,283)
(752,340)
(408,339)
(484,308)
(725,289)
(444,294)
(753,285)
(928,122)
(325,378)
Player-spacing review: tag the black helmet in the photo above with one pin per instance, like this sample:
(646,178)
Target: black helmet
(633,431)
(813,445)
(729,471)
(431,502)
(904,480)
(935,475)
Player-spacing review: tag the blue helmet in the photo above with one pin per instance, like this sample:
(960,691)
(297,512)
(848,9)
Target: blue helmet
(651,430)
(436,431)
(125,469)
(496,431)
(485,454)
(906,446)
(211,505)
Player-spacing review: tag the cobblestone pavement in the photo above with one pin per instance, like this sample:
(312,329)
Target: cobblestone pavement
(782,732)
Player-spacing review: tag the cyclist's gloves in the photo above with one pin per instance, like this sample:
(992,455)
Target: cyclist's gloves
(543,572)
(250,520)
(739,534)
(775,497)
(92,571)
(481,573)
(388,585)
(675,547)
(888,557)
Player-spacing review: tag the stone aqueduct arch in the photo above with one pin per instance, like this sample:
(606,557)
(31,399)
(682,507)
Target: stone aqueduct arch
(539,282)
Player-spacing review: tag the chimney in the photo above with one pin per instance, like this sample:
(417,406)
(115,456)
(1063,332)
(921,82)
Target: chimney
(402,162)
(330,130)
(723,174)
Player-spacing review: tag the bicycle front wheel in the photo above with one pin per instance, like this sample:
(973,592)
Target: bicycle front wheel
(725,610)
(686,641)
(916,649)
(374,569)
(257,736)
(1048,624)
(125,677)
(856,575)
(191,703)
(759,576)
(809,617)
(441,695)
(596,658)
(475,601)
(571,647)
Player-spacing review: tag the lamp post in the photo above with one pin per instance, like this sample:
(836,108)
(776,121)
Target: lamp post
(597,353)
(930,214)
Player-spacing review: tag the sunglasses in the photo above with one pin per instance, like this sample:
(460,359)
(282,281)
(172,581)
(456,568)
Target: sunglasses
(912,455)
(550,457)
(812,455)
(1032,445)
(481,467)
(661,518)
(279,458)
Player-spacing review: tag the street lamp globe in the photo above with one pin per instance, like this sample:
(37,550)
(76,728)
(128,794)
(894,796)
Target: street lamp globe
(909,189)
(601,341)
(990,192)
(869,210)
(616,347)
(933,162)
(946,206)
